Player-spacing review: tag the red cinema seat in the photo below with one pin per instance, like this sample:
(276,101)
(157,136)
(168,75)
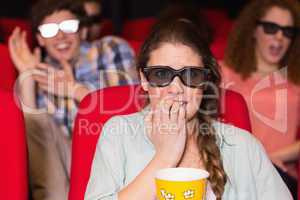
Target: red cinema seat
(219,43)
(234,110)
(106,28)
(135,45)
(218,47)
(137,29)
(219,21)
(9,24)
(13,150)
(215,17)
(8,72)
(99,106)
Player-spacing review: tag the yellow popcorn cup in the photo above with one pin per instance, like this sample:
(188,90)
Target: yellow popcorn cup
(181,184)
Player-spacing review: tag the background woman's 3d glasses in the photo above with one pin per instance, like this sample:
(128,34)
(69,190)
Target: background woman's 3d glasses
(51,29)
(272,28)
(161,76)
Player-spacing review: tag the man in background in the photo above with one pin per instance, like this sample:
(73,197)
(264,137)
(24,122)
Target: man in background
(54,78)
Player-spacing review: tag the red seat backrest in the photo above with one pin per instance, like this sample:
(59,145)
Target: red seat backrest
(215,17)
(7,25)
(13,150)
(8,72)
(234,110)
(218,47)
(221,26)
(137,29)
(99,106)
(106,28)
(135,45)
(220,41)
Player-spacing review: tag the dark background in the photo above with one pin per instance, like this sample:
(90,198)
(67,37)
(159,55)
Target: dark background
(127,9)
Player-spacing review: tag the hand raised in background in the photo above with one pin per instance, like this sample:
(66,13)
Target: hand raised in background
(23,58)
(59,82)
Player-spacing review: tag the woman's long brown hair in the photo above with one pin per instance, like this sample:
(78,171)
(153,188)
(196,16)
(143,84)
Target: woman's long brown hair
(183,31)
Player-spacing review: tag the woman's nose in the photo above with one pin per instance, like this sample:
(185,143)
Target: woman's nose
(176,86)
(279,35)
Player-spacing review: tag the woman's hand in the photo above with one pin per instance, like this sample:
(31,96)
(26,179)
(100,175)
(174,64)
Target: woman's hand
(166,128)
(21,54)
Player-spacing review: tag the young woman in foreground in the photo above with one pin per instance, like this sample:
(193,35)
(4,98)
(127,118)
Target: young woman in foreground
(179,129)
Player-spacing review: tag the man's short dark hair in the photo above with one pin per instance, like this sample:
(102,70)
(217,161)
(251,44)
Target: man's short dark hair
(44,8)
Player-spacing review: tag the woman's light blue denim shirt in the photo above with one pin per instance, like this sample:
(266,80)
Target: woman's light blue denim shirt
(124,150)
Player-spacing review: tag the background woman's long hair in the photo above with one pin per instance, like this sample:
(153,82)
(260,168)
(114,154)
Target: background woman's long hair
(183,31)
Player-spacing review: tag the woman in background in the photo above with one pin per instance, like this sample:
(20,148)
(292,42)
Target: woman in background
(262,63)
